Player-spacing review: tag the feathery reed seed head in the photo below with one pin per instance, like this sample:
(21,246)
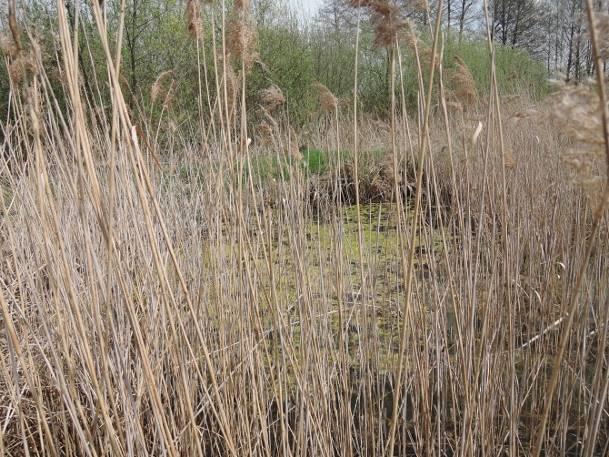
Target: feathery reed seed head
(159,83)
(241,39)
(464,84)
(386,19)
(8,46)
(601,23)
(577,111)
(410,35)
(21,68)
(327,100)
(426,57)
(293,149)
(264,131)
(360,3)
(420,5)
(193,19)
(243,5)
(170,95)
(272,97)
(387,23)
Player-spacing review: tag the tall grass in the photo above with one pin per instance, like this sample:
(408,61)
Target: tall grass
(201,306)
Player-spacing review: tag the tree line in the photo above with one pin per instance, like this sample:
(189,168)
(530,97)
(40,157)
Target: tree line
(537,38)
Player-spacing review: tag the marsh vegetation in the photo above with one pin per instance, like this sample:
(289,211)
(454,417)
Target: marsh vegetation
(228,257)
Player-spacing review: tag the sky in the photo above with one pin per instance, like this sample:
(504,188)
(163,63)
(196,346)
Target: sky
(308,7)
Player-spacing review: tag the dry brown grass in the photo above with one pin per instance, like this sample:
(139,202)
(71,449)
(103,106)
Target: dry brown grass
(173,311)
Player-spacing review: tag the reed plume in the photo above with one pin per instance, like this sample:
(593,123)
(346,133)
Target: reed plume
(386,18)
(327,100)
(8,46)
(272,98)
(601,22)
(577,113)
(159,86)
(242,35)
(193,19)
(464,85)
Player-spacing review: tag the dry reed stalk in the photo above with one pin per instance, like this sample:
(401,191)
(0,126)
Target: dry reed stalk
(204,325)
(599,213)
(13,26)
(408,261)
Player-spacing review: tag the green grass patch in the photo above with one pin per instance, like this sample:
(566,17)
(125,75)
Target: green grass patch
(266,168)
(316,161)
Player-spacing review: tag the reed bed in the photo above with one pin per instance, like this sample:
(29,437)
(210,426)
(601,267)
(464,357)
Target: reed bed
(163,293)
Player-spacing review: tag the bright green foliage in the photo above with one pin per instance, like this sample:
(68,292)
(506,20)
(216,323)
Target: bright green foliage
(316,161)
(291,55)
(517,72)
(288,63)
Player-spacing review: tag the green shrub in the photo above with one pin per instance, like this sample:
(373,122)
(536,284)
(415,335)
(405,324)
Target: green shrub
(517,72)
